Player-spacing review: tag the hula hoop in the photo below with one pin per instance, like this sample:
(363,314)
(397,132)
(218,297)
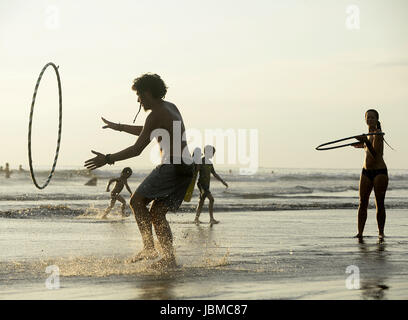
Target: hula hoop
(59,126)
(319,148)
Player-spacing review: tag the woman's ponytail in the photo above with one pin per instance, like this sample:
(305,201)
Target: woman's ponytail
(379,125)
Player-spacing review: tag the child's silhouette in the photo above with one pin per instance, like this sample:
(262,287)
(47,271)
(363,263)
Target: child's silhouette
(120,183)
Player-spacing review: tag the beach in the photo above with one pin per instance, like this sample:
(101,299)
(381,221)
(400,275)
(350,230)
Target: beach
(256,254)
(257,91)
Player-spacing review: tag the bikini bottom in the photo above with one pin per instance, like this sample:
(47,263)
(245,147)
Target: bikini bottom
(372,173)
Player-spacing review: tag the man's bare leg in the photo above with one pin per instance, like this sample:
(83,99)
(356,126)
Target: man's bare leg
(380,188)
(364,190)
(163,231)
(138,204)
(199,208)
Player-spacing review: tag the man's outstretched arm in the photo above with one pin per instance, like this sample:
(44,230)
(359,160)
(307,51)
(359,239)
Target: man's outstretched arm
(135,130)
(130,152)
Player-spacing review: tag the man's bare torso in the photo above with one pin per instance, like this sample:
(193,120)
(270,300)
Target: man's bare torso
(168,117)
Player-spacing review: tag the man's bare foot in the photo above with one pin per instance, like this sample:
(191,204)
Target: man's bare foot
(196,221)
(213,221)
(164,263)
(381,237)
(144,255)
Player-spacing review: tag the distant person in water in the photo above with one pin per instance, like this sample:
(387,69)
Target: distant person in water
(7,170)
(205,170)
(20,168)
(374,174)
(120,183)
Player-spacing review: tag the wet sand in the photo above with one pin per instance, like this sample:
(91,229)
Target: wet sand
(249,255)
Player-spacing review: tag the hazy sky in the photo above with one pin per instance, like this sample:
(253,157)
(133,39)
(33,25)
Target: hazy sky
(293,70)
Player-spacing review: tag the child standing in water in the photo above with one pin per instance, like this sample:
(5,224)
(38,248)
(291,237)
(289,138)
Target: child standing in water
(120,183)
(205,170)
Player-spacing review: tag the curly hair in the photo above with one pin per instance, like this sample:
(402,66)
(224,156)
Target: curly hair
(152,83)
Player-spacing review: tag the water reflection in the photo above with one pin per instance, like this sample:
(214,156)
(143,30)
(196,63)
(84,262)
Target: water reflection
(197,255)
(157,289)
(374,268)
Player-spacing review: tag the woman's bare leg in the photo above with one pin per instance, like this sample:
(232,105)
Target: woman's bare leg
(380,188)
(366,186)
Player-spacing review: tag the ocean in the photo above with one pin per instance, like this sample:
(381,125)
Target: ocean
(283,234)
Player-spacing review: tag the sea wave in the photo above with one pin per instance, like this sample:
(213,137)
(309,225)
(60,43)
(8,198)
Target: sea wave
(64,211)
(279,192)
(77,173)
(42,211)
(48,196)
(269,192)
(315,176)
(264,176)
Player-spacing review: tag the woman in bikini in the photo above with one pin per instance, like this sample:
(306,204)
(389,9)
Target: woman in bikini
(374,174)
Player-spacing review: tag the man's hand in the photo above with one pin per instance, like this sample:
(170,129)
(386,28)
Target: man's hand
(96,162)
(111,125)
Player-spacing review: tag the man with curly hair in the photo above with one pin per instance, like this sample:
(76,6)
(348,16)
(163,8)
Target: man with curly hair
(166,185)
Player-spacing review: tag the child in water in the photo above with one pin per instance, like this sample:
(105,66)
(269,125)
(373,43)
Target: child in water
(205,169)
(120,183)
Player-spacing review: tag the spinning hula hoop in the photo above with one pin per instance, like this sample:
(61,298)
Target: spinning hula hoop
(347,144)
(59,126)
